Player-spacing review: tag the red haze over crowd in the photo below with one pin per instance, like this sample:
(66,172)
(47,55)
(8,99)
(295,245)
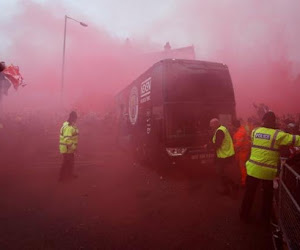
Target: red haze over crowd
(258,40)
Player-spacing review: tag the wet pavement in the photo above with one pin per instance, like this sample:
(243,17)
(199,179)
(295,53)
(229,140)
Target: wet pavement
(114,203)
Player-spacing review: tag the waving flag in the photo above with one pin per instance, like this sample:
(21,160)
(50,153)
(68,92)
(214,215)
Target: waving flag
(12,73)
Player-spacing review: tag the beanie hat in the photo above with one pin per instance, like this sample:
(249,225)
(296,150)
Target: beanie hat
(269,118)
(72,116)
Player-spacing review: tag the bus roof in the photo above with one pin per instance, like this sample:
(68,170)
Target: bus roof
(198,63)
(188,63)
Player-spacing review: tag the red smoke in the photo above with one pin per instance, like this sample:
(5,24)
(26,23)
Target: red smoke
(258,40)
(96,65)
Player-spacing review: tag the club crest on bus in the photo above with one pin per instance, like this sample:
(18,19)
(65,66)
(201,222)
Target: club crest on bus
(133,105)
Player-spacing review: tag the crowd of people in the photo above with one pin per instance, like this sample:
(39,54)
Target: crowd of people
(28,124)
(257,149)
(27,128)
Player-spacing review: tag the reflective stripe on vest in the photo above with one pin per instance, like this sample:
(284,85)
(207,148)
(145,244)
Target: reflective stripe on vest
(266,148)
(262,164)
(264,159)
(227,148)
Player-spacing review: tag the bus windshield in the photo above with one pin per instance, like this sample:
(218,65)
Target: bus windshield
(208,86)
(185,119)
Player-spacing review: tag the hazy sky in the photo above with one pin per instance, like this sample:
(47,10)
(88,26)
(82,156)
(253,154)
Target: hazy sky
(121,18)
(182,22)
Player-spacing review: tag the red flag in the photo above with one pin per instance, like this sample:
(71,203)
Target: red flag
(12,73)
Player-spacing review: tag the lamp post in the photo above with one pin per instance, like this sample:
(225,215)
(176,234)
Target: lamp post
(64,50)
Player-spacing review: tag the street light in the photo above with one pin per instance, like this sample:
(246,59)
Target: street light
(64,50)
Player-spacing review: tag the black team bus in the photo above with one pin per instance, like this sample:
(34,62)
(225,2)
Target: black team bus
(164,114)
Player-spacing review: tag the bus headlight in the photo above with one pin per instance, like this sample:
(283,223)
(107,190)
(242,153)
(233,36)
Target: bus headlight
(176,151)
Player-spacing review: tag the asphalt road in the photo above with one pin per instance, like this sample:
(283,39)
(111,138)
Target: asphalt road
(114,203)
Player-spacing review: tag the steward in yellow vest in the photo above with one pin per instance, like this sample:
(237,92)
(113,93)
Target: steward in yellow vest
(264,163)
(225,164)
(68,141)
(224,146)
(68,138)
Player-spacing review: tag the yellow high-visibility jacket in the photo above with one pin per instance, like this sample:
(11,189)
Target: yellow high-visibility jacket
(68,138)
(227,148)
(265,157)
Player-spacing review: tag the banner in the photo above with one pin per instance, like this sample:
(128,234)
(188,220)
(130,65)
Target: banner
(12,73)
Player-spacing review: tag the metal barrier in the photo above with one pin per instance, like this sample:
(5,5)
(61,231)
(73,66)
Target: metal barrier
(289,206)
